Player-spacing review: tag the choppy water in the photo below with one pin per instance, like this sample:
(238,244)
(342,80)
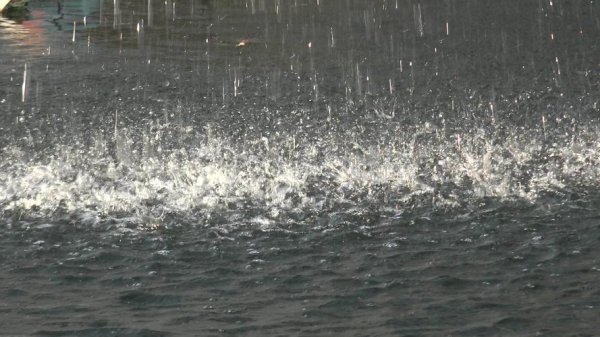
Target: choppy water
(291,168)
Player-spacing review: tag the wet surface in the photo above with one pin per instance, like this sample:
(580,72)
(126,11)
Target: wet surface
(269,168)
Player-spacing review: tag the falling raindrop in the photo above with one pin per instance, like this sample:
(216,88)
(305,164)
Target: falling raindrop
(418,17)
(25,84)
(150,15)
(116,13)
(74,31)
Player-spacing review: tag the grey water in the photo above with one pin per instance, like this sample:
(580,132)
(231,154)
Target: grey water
(300,168)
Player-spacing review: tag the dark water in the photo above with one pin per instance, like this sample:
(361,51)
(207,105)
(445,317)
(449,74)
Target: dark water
(296,168)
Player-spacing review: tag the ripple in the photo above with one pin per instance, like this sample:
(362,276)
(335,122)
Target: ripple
(145,300)
(103,332)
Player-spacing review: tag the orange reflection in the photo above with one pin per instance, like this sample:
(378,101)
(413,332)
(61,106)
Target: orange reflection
(28,33)
(35,30)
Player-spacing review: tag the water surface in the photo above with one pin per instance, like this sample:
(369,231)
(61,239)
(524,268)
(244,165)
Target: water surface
(282,168)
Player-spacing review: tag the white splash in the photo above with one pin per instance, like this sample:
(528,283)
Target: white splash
(217,177)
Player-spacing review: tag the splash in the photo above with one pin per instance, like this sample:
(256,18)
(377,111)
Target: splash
(287,180)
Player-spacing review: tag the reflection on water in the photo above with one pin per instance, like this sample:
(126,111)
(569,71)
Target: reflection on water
(27,33)
(3,4)
(81,7)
